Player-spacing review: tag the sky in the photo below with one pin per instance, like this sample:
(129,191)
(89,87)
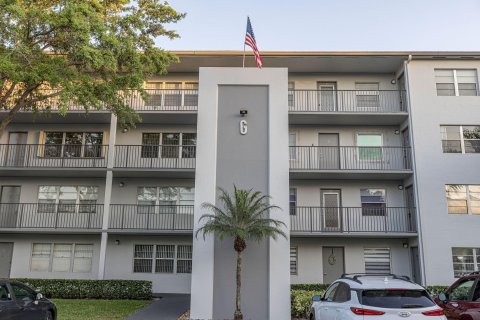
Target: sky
(333,25)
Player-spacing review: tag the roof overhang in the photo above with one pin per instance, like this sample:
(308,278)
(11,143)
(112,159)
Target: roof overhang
(313,61)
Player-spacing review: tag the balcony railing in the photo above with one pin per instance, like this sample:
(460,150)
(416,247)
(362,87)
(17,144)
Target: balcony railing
(50,216)
(157,100)
(351,220)
(53,155)
(350,158)
(361,101)
(155,156)
(151,217)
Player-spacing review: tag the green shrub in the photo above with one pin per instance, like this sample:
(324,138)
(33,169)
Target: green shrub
(435,290)
(301,301)
(92,289)
(310,286)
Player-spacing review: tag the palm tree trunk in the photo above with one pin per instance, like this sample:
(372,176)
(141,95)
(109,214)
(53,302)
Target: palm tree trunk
(238,314)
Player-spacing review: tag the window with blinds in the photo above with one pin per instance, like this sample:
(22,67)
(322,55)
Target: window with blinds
(168,145)
(292,142)
(162,258)
(291,93)
(293,260)
(61,257)
(367,95)
(67,199)
(377,260)
(456,82)
(171,94)
(72,144)
(463,199)
(465,261)
(292,200)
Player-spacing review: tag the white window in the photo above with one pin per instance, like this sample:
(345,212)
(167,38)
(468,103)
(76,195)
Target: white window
(292,199)
(294,260)
(292,142)
(367,95)
(40,257)
(161,258)
(291,93)
(370,146)
(72,145)
(171,94)
(465,260)
(377,260)
(169,145)
(170,200)
(463,199)
(460,139)
(456,82)
(61,257)
(373,202)
(67,199)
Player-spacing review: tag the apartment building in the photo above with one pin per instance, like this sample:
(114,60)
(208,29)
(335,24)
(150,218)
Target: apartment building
(370,155)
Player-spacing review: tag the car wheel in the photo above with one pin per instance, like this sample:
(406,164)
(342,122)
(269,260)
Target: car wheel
(49,316)
(312,317)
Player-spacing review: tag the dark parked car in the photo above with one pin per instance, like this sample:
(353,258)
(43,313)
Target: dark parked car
(462,300)
(18,301)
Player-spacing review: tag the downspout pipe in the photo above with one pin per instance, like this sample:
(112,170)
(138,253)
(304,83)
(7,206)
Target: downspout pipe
(415,175)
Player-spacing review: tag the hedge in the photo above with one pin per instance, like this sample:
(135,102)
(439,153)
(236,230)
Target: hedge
(92,289)
(301,297)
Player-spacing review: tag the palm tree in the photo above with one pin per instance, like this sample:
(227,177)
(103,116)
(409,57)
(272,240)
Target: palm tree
(242,217)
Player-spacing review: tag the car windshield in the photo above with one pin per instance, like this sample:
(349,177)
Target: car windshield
(397,299)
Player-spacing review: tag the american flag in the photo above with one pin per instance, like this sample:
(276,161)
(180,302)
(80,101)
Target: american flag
(250,41)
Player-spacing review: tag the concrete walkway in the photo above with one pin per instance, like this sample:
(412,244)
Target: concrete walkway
(169,307)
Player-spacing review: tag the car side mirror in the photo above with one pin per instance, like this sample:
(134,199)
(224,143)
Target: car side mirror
(316,298)
(442,297)
(39,296)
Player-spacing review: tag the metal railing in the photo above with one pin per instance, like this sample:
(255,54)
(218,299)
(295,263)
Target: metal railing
(367,101)
(151,217)
(156,100)
(50,216)
(350,158)
(353,219)
(53,155)
(155,156)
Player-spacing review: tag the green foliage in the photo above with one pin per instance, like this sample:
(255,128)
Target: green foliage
(301,301)
(436,290)
(87,53)
(92,289)
(310,286)
(242,215)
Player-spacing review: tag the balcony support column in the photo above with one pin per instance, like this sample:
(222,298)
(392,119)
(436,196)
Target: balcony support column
(108,196)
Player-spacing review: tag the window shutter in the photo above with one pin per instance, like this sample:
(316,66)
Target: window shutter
(41,144)
(377,260)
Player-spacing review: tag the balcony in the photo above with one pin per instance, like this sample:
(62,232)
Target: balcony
(165,105)
(132,217)
(165,159)
(50,217)
(18,158)
(347,107)
(311,162)
(348,220)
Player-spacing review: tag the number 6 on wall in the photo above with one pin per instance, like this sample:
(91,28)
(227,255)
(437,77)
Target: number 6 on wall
(243,127)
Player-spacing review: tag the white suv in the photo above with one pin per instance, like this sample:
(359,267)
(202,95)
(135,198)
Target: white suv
(378,296)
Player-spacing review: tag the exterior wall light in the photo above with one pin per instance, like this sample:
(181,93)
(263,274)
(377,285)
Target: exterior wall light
(117,242)
(393,81)
(243,112)
(405,245)
(397,132)
(125,130)
(121,184)
(400,187)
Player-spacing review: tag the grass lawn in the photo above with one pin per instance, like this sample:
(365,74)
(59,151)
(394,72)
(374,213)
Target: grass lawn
(78,309)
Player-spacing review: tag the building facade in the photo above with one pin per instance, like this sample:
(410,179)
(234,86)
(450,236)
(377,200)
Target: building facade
(370,155)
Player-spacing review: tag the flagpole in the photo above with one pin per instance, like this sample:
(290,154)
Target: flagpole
(244,55)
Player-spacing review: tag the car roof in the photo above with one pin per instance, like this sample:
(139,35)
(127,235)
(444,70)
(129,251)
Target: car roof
(5,281)
(379,282)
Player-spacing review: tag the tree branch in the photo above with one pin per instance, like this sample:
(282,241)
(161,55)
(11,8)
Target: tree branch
(7,95)
(20,104)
